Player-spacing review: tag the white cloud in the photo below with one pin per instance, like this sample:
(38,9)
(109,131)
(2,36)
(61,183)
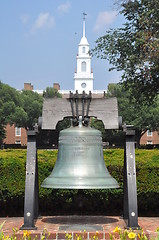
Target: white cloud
(104,19)
(24,18)
(44,20)
(64,8)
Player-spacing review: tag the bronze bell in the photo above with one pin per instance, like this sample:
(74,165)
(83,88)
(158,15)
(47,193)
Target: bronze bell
(80,163)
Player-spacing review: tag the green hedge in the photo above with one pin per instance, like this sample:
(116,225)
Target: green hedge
(93,202)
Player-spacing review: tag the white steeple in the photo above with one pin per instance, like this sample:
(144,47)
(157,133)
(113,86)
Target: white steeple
(83,77)
(84,15)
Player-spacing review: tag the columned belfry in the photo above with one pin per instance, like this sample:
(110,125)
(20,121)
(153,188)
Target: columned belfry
(83,77)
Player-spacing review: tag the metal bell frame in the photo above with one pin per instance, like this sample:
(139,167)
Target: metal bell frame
(31,206)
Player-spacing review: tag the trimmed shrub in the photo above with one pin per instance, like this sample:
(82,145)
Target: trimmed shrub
(91,202)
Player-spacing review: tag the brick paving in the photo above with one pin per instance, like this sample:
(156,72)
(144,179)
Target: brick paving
(58,226)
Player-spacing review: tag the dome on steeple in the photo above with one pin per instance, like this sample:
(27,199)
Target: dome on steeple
(84,41)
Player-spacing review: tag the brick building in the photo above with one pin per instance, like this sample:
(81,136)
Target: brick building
(28,86)
(15,135)
(150,138)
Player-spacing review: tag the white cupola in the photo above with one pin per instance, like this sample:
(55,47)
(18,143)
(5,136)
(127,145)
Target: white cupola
(83,77)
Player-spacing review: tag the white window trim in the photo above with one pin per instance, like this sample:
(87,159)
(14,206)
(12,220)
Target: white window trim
(17,142)
(149,133)
(17,132)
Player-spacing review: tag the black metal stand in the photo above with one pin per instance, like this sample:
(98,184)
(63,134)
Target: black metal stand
(130,189)
(31,201)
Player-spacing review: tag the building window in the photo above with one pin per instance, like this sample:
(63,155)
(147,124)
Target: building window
(17,131)
(17,142)
(83,66)
(149,142)
(83,50)
(149,133)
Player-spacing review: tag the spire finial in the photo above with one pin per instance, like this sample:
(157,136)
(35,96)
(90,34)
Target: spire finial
(84,18)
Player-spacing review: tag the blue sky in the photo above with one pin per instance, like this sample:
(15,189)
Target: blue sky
(39,41)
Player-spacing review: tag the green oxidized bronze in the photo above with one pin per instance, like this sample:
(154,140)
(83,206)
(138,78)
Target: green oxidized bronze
(80,163)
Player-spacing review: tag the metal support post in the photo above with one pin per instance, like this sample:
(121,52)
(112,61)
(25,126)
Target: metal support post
(31,201)
(130,189)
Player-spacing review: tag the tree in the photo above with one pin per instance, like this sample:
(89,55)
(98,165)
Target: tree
(134,48)
(20,117)
(9,100)
(20,108)
(98,124)
(32,105)
(51,92)
(141,115)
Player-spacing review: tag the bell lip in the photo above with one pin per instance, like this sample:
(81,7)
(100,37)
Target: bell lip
(59,183)
(80,187)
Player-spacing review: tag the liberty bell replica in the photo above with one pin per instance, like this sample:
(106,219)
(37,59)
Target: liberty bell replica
(80,163)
